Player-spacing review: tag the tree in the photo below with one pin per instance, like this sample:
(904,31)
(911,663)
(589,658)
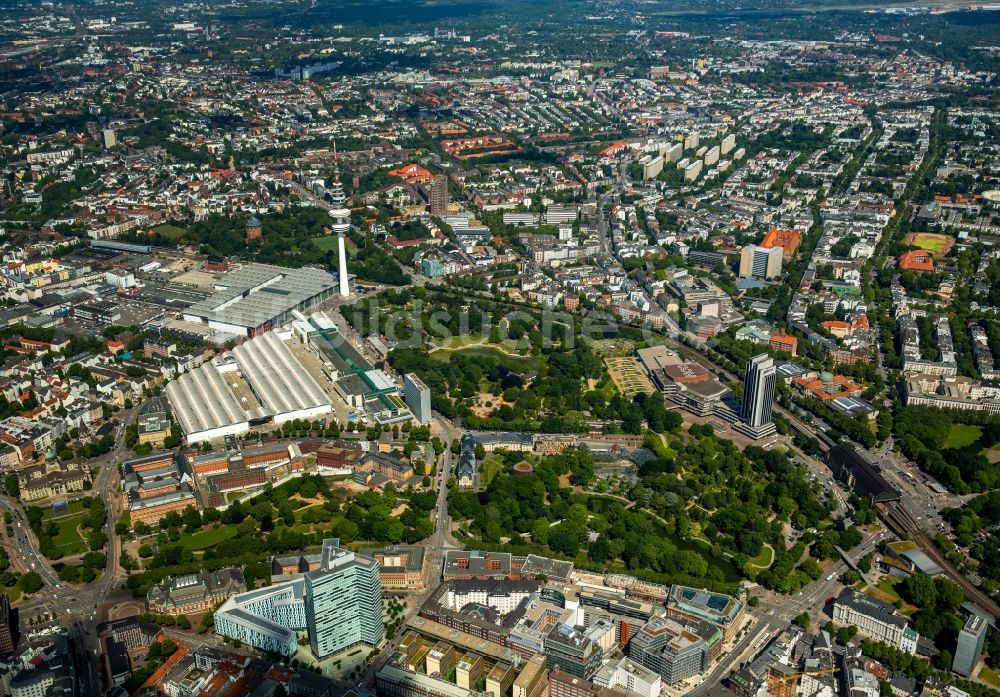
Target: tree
(12,486)
(921,590)
(30,582)
(845,634)
(803,620)
(949,595)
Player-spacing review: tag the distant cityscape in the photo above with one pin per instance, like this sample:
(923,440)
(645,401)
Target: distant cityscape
(552,349)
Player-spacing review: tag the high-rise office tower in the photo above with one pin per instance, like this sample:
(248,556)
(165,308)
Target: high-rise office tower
(970,645)
(417,397)
(341,216)
(8,628)
(439,195)
(758,397)
(760,262)
(343,601)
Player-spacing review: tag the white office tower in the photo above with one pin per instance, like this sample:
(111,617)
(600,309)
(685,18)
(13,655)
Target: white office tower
(341,216)
(758,397)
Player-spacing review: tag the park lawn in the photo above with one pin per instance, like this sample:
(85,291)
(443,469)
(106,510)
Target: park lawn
(989,675)
(888,591)
(207,538)
(961,435)
(457,342)
(762,560)
(68,540)
(13,592)
(493,351)
(491,468)
(169,231)
(326,243)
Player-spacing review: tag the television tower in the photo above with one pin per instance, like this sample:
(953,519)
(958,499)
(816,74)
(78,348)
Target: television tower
(341,216)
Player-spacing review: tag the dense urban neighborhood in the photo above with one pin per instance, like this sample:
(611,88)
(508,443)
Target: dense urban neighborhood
(567,348)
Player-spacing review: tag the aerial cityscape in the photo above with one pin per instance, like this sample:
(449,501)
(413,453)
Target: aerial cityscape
(500,348)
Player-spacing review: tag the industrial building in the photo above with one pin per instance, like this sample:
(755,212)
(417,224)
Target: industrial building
(258,297)
(256,383)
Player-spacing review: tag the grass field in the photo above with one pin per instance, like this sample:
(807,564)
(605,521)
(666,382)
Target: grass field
(990,676)
(513,362)
(886,592)
(13,593)
(491,468)
(206,538)
(764,559)
(961,435)
(326,242)
(68,540)
(935,244)
(169,231)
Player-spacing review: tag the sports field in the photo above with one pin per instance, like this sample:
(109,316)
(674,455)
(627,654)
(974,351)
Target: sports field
(937,245)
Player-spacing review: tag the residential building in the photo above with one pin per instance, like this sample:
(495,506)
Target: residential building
(399,566)
(760,263)
(626,674)
(439,195)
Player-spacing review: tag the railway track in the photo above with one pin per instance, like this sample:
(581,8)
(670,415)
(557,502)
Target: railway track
(900,521)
